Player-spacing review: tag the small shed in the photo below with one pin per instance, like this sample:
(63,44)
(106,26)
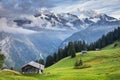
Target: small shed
(97,49)
(84,51)
(33,67)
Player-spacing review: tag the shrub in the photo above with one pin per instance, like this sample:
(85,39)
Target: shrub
(79,63)
(82,67)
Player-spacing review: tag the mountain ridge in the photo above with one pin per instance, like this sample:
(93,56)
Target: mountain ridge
(49,32)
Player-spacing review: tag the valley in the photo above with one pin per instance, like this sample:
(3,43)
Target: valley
(59,40)
(42,34)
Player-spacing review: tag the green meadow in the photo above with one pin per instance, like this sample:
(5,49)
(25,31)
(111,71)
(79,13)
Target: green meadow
(103,65)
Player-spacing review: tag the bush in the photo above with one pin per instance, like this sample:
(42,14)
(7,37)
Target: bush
(115,45)
(79,63)
(82,67)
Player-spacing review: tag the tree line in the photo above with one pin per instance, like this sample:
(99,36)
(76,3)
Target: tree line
(77,46)
(2,57)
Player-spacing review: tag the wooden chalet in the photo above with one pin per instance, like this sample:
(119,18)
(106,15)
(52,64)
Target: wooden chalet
(33,67)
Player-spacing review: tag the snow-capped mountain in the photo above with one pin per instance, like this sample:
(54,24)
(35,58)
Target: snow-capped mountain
(103,19)
(36,36)
(51,21)
(98,25)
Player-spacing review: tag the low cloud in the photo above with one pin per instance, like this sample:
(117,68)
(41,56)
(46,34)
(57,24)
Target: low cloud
(13,28)
(89,13)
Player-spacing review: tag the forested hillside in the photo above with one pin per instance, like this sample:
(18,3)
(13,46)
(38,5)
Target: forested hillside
(78,46)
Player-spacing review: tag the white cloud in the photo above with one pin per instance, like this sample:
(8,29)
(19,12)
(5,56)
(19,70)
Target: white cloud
(41,23)
(89,13)
(102,6)
(13,28)
(116,14)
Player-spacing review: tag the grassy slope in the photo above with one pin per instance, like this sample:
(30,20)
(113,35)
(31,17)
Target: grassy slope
(111,46)
(13,75)
(105,65)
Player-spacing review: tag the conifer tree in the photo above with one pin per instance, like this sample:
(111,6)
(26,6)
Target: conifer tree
(71,50)
(41,61)
(49,61)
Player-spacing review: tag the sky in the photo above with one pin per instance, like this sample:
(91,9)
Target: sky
(16,7)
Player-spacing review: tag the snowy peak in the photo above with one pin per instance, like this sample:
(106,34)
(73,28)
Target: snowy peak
(50,21)
(47,20)
(105,17)
(68,17)
(101,19)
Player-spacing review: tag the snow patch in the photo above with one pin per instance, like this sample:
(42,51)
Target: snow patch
(95,20)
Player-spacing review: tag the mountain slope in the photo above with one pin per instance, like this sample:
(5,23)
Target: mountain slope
(104,66)
(24,48)
(114,45)
(47,31)
(95,30)
(41,34)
